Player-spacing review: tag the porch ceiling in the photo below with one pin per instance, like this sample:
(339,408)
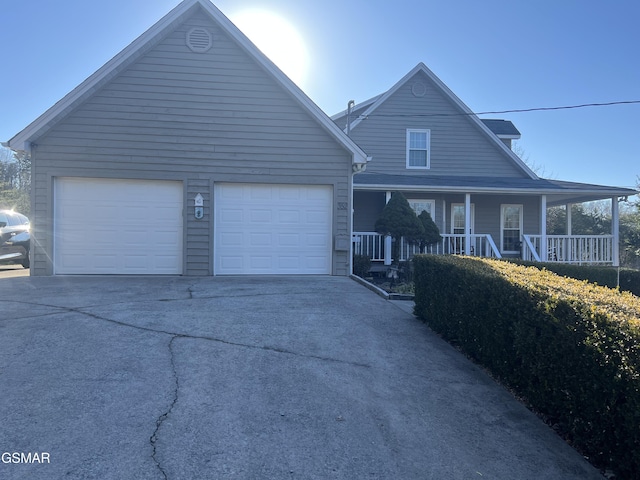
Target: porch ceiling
(558,192)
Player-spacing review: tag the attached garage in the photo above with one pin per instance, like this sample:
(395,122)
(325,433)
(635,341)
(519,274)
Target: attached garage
(109,226)
(190,153)
(272,229)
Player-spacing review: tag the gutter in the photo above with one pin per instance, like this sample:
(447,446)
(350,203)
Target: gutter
(507,191)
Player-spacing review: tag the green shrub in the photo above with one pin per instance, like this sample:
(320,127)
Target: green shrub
(630,280)
(361,265)
(570,348)
(604,276)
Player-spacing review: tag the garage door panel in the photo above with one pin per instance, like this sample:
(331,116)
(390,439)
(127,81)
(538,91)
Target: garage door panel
(285,225)
(114,226)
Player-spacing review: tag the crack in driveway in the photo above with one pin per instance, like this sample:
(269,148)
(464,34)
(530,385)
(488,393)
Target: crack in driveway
(153,439)
(81,311)
(161,419)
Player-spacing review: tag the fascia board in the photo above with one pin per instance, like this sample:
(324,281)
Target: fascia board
(383,98)
(523,166)
(92,83)
(359,156)
(109,69)
(421,67)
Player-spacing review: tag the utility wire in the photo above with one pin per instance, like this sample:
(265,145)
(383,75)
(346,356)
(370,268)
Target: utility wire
(520,110)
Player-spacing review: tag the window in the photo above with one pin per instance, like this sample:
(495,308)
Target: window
(418,148)
(511,228)
(420,206)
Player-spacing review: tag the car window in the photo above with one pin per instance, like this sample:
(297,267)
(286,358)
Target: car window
(14,221)
(23,220)
(4,219)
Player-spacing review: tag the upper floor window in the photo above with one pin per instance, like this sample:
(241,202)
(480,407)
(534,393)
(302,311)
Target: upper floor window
(418,148)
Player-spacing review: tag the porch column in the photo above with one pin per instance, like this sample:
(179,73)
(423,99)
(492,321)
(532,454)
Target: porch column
(615,231)
(544,250)
(387,239)
(467,224)
(569,217)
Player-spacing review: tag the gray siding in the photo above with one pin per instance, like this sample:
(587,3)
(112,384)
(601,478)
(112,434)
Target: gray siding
(367,207)
(458,146)
(200,118)
(488,208)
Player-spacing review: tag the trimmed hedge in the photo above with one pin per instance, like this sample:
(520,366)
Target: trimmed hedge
(605,276)
(570,348)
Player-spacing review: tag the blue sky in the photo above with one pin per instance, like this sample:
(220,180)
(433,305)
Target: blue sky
(493,54)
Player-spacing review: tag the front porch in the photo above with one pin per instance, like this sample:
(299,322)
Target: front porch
(489,224)
(575,249)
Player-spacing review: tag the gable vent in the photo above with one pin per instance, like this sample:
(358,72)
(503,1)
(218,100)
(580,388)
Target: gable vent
(418,89)
(199,40)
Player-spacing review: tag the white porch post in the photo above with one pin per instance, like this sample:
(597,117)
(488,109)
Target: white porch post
(467,224)
(569,219)
(615,231)
(387,239)
(544,251)
(444,217)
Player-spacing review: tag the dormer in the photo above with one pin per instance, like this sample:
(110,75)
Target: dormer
(503,129)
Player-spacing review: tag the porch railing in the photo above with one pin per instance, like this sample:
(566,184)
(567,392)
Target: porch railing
(372,244)
(578,249)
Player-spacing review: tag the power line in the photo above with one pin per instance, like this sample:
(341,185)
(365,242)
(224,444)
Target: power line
(519,110)
(567,107)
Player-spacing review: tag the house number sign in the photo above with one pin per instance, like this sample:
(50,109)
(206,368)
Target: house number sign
(199,204)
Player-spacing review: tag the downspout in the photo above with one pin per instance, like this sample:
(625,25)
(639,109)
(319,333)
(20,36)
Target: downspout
(355,168)
(350,106)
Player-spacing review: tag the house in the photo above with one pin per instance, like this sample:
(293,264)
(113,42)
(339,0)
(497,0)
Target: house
(190,153)
(426,143)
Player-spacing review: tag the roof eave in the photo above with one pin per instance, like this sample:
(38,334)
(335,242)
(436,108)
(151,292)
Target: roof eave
(50,117)
(54,114)
(613,192)
(421,67)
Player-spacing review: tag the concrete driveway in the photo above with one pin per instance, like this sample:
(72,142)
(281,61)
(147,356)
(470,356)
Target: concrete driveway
(248,378)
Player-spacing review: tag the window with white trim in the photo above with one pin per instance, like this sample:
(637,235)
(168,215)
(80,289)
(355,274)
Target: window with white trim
(418,142)
(419,206)
(510,228)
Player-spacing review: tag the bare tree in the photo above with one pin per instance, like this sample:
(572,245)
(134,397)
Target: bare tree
(537,168)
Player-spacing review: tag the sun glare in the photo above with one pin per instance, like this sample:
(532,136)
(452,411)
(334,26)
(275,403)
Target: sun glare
(277,39)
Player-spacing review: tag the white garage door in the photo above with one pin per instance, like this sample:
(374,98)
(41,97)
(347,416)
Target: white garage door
(272,229)
(104,226)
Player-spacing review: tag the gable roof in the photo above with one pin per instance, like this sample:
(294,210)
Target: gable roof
(376,102)
(46,121)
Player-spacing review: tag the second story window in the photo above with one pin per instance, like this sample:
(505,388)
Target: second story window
(418,148)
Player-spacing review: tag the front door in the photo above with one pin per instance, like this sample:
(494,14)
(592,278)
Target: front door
(457,227)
